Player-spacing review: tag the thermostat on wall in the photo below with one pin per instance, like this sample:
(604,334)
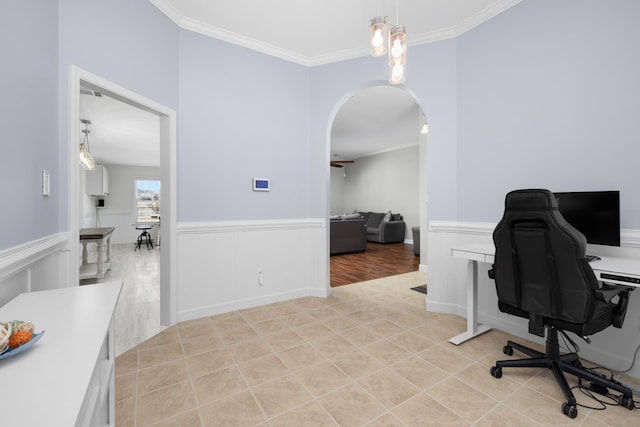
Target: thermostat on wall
(261,184)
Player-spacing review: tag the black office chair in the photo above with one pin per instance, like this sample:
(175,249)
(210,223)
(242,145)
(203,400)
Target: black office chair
(541,274)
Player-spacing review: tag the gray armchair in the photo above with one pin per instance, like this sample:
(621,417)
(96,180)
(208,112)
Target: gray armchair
(347,235)
(381,231)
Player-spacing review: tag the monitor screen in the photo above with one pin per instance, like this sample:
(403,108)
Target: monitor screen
(596,214)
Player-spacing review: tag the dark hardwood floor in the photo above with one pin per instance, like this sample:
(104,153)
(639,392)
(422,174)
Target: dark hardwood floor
(377,261)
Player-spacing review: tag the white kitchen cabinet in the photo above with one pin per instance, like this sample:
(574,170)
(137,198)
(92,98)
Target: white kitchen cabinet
(98,181)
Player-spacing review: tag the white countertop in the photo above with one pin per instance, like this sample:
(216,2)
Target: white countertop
(46,385)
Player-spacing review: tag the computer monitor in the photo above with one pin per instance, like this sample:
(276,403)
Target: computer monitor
(596,214)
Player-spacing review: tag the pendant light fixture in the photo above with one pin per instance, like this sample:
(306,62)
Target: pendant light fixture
(397,55)
(86,159)
(395,40)
(378,35)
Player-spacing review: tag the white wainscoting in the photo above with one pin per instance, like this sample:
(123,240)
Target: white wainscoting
(34,266)
(220,264)
(447,282)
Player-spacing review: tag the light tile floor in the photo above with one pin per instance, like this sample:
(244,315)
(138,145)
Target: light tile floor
(369,355)
(137,314)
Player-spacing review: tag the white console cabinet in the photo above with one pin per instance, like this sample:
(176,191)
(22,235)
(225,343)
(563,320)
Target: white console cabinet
(67,378)
(98,181)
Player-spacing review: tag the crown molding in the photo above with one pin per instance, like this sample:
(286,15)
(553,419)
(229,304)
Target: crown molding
(484,15)
(432,36)
(167,8)
(240,40)
(311,61)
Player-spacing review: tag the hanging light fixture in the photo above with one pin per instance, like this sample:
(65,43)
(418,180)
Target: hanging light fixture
(397,55)
(425,128)
(395,40)
(86,159)
(378,35)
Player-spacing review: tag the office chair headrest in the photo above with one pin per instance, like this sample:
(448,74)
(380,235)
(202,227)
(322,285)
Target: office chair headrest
(533,199)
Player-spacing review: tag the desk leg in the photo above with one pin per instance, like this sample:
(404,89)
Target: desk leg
(100,264)
(84,253)
(473,329)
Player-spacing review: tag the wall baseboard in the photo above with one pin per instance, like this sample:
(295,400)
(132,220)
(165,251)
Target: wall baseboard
(226,307)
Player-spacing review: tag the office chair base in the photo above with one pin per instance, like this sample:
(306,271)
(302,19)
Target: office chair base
(558,364)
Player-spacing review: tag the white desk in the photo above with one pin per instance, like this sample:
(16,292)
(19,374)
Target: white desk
(610,269)
(474,253)
(67,378)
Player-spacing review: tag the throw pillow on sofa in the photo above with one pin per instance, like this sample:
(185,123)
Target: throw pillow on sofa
(351,216)
(375,219)
(387,217)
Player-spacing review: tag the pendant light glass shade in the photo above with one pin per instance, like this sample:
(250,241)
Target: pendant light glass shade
(378,35)
(86,159)
(397,55)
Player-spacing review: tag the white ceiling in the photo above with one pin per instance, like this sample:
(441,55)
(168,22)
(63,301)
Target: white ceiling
(307,32)
(313,32)
(120,134)
(376,120)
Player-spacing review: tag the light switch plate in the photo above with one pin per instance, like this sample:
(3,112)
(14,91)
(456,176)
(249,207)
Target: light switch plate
(46,182)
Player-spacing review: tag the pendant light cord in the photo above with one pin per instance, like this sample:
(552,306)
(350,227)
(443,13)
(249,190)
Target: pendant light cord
(397,13)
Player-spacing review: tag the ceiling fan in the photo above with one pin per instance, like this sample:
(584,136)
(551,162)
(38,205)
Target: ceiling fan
(339,163)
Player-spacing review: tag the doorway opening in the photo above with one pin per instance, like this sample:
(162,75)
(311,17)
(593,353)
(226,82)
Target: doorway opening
(376,133)
(167,140)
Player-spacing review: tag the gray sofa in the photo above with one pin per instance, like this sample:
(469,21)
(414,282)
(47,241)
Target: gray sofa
(381,231)
(347,235)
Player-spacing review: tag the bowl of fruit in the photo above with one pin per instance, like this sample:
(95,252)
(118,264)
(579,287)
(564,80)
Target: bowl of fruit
(17,336)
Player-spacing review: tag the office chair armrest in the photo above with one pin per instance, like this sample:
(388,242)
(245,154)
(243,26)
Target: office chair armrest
(608,291)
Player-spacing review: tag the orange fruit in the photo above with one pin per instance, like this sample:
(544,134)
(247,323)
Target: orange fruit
(19,338)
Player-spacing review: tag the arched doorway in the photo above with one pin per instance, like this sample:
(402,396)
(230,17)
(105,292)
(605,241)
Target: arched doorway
(371,121)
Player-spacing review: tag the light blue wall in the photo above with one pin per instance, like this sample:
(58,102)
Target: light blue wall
(431,78)
(545,94)
(242,114)
(128,42)
(549,96)
(28,120)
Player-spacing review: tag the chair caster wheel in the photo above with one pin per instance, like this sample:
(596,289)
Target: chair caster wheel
(507,350)
(627,402)
(569,410)
(496,372)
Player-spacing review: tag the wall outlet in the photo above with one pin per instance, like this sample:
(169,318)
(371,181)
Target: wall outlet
(260,278)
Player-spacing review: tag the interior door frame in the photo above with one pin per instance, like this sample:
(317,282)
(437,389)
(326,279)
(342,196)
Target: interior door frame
(168,168)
